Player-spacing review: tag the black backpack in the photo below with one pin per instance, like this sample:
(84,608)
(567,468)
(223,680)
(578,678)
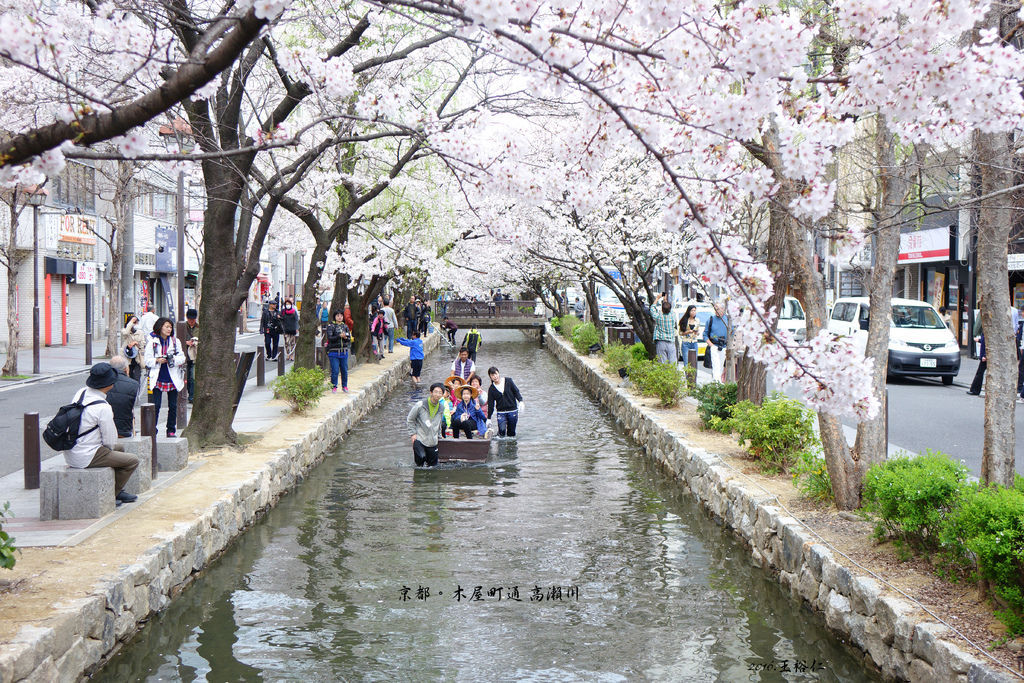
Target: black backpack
(61,432)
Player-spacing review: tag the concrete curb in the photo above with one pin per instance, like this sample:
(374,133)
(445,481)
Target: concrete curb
(86,632)
(894,633)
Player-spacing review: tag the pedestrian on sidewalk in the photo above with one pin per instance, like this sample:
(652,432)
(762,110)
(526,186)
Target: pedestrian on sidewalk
(166,362)
(392,320)
(191,347)
(689,326)
(290,327)
(979,376)
(379,330)
(97,445)
(121,398)
(146,323)
(410,313)
(338,342)
(133,342)
(415,355)
(716,334)
(664,329)
(270,326)
(425,420)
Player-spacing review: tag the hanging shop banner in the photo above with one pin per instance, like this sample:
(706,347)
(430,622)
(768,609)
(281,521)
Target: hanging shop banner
(922,246)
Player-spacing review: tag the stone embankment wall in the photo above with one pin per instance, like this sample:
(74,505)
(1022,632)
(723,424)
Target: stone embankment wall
(87,631)
(893,632)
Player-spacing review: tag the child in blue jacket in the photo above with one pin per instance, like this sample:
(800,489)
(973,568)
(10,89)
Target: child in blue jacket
(415,354)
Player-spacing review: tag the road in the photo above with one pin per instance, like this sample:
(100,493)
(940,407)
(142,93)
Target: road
(924,414)
(45,397)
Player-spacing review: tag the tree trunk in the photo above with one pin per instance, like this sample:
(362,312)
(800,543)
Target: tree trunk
(871,445)
(595,314)
(212,414)
(10,368)
(340,291)
(993,154)
(122,211)
(305,351)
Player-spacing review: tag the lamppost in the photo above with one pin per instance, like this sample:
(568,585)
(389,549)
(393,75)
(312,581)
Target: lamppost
(174,136)
(36,198)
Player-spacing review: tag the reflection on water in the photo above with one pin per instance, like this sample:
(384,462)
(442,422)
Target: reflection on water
(567,556)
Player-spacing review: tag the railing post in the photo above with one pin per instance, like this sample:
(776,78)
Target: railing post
(691,362)
(31,450)
(149,429)
(261,367)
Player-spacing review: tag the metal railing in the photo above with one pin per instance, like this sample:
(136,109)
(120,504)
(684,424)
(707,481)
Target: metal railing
(485,309)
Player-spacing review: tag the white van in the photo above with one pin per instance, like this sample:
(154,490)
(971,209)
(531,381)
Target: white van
(919,342)
(792,318)
(609,308)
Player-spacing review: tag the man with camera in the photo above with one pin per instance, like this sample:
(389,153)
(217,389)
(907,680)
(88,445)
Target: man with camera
(191,346)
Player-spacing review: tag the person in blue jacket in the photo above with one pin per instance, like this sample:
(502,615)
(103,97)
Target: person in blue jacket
(415,354)
(468,417)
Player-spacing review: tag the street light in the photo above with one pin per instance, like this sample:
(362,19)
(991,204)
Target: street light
(174,136)
(36,198)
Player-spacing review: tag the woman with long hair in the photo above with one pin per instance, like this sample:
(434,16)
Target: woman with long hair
(165,360)
(689,326)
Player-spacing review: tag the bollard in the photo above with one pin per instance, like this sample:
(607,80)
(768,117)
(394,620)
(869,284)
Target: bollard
(691,362)
(261,367)
(149,429)
(31,450)
(280,363)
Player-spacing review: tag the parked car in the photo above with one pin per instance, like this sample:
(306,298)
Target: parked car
(920,344)
(792,318)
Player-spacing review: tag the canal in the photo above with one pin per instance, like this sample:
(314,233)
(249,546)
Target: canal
(569,558)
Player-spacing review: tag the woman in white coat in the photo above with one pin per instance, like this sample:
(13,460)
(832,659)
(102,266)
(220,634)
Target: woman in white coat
(165,361)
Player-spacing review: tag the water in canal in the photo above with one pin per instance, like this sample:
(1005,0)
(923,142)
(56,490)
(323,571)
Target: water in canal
(373,570)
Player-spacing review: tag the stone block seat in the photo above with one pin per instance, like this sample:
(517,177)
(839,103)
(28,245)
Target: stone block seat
(141,479)
(171,453)
(72,493)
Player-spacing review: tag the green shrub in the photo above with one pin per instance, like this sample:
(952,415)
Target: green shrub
(568,324)
(713,403)
(810,476)
(639,351)
(776,432)
(556,323)
(7,547)
(654,378)
(913,496)
(616,356)
(585,336)
(302,387)
(986,533)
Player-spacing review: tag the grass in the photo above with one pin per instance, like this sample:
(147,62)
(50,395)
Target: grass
(14,377)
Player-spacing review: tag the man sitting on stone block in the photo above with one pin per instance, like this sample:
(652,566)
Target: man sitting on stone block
(97,442)
(121,397)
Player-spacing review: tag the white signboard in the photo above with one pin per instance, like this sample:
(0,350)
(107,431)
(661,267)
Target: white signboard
(85,273)
(924,245)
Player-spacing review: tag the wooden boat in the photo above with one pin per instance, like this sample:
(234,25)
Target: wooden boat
(459,450)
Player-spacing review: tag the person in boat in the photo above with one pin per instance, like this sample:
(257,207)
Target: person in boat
(468,417)
(503,402)
(463,366)
(425,422)
(480,398)
(452,384)
(448,407)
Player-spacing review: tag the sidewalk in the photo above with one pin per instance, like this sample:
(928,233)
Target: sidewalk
(257,413)
(61,361)
(54,361)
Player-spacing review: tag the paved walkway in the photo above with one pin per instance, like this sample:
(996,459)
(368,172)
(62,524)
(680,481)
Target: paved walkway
(256,414)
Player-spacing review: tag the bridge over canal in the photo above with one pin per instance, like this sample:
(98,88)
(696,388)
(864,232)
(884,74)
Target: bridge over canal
(508,314)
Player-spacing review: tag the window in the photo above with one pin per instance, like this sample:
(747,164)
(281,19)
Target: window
(919,317)
(75,187)
(156,203)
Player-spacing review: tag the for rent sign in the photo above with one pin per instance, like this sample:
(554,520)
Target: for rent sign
(924,245)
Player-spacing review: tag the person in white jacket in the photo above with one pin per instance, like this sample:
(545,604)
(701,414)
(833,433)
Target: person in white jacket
(165,360)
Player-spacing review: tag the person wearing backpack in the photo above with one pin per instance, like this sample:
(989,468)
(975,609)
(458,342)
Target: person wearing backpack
(95,435)
(338,342)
